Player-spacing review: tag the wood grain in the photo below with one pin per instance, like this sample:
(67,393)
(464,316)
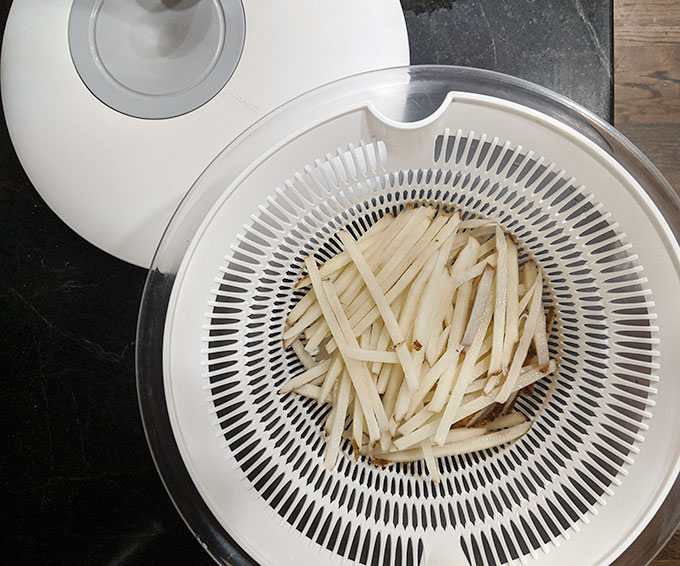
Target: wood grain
(670,555)
(647,79)
(646,22)
(647,103)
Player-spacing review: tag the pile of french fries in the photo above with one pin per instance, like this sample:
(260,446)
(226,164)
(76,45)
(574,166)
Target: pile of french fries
(420,335)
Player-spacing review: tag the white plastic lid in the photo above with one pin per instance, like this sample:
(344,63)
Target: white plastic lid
(115,176)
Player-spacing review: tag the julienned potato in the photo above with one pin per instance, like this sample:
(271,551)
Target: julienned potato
(420,335)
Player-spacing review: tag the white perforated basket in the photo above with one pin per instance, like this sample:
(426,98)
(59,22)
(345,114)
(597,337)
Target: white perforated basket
(604,451)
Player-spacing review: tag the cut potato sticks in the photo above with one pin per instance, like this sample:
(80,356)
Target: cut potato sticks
(339,415)
(419,335)
(306,376)
(359,375)
(385,310)
(500,304)
(512,306)
(475,444)
(523,345)
(383,356)
(342,259)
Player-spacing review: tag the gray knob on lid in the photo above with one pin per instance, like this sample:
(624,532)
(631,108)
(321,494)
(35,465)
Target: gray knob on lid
(156,58)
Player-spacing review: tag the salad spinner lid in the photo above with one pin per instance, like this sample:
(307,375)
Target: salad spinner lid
(115,107)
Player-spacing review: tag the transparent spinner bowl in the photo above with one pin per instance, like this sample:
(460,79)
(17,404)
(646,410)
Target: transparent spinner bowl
(406,94)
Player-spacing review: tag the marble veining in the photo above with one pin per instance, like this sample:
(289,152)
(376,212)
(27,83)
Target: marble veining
(565,45)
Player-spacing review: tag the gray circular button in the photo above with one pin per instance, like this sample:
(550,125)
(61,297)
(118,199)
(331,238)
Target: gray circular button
(156,58)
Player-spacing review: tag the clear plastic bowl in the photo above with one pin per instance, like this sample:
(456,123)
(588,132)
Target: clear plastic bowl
(405,94)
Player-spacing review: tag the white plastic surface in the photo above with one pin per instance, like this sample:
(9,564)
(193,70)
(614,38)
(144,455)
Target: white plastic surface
(116,180)
(637,486)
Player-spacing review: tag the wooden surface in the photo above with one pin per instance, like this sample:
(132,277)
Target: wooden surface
(647,103)
(647,79)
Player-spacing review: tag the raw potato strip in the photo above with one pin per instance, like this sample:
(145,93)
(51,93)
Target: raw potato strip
(462,306)
(458,434)
(524,341)
(384,338)
(439,345)
(500,305)
(531,375)
(448,317)
(415,422)
(417,436)
(303,355)
(430,462)
(340,413)
(465,375)
(512,306)
(541,340)
(484,290)
(361,379)
(475,223)
(421,332)
(384,356)
(409,310)
(364,342)
(385,441)
(357,424)
(418,428)
(526,297)
(487,247)
(405,393)
(510,403)
(337,262)
(541,337)
(384,377)
(309,390)
(315,334)
(491,382)
(529,272)
(364,386)
(463,292)
(347,284)
(384,308)
(475,271)
(335,369)
(376,330)
(483,442)
(449,359)
(477,383)
(392,390)
(506,421)
(306,376)
(445,293)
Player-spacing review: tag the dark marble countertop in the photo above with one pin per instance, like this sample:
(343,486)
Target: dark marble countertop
(78,483)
